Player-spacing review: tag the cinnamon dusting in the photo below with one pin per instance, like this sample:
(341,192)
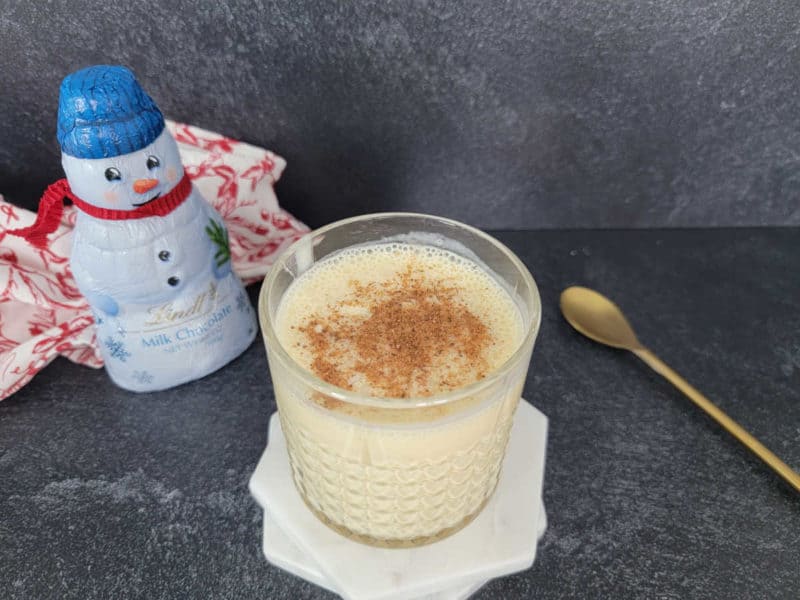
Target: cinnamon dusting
(410,336)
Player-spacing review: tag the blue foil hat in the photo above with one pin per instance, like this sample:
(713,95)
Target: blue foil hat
(104,112)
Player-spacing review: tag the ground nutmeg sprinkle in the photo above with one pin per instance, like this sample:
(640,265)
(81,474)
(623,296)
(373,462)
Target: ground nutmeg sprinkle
(410,336)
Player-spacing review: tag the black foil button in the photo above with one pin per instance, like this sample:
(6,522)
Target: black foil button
(163,255)
(173,281)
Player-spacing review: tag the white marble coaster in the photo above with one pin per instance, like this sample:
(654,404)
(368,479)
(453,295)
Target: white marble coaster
(501,540)
(281,552)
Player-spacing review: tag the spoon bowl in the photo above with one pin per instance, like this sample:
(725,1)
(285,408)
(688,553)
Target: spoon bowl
(598,318)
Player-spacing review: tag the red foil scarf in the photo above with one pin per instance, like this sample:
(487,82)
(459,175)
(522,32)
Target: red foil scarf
(51,207)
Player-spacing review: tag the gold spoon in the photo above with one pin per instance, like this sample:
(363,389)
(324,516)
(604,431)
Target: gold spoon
(599,319)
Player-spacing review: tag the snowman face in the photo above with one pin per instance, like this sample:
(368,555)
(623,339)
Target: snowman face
(129,181)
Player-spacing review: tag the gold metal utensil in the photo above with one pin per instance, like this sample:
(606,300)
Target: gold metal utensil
(599,319)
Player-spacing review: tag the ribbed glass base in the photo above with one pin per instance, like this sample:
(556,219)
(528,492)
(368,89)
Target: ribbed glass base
(396,543)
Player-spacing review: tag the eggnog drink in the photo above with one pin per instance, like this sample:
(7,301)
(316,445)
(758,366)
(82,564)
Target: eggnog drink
(397,321)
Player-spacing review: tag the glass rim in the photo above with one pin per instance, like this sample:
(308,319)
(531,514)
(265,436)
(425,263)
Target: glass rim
(309,378)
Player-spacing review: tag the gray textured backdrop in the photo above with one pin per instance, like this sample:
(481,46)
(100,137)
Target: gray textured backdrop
(546,113)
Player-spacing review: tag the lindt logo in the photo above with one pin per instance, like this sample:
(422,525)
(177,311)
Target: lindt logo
(168,314)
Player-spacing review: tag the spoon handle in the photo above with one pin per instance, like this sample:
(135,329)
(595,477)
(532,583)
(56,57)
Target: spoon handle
(720,417)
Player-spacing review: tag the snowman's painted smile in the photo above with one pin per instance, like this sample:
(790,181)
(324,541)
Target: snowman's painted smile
(138,204)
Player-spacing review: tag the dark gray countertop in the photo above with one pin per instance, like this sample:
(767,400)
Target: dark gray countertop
(107,494)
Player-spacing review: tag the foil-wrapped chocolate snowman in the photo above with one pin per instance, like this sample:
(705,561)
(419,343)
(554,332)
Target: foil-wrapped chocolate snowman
(149,253)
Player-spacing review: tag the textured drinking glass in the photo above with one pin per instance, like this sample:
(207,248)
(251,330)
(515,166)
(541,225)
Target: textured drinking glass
(397,472)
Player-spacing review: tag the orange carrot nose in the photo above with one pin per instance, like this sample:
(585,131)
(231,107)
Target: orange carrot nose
(140,186)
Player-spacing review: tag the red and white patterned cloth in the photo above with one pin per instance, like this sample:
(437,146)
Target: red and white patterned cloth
(42,313)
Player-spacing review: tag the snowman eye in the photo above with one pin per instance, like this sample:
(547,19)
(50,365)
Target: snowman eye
(113,174)
(153,162)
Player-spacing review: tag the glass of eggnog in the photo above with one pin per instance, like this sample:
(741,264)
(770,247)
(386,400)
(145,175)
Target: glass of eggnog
(398,346)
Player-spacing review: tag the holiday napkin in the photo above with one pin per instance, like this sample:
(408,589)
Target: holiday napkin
(42,313)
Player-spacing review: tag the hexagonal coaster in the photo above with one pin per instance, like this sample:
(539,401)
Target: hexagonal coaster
(501,540)
(281,552)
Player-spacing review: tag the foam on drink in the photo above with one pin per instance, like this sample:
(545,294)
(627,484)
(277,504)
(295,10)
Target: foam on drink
(398,320)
